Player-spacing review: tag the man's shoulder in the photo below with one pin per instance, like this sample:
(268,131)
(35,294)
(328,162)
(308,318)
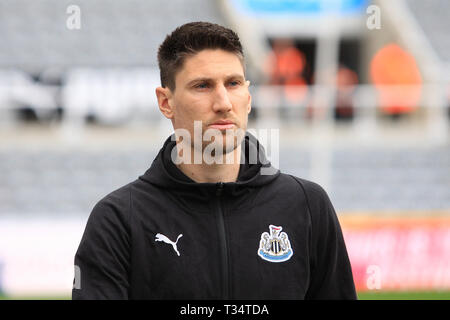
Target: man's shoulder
(316,198)
(116,202)
(118,195)
(311,188)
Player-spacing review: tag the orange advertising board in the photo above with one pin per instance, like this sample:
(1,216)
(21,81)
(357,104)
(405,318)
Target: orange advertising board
(398,252)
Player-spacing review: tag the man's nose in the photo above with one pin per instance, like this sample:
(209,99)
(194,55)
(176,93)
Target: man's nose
(222,101)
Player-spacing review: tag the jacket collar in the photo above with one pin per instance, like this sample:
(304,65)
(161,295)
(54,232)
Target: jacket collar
(164,173)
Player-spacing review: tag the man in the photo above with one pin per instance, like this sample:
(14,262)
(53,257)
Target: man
(193,228)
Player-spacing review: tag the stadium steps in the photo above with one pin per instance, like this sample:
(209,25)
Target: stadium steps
(71,182)
(113,33)
(432,16)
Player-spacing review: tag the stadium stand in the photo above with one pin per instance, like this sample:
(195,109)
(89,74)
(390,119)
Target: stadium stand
(431,16)
(105,70)
(71,182)
(112,33)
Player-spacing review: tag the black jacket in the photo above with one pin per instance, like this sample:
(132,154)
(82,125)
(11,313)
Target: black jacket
(165,236)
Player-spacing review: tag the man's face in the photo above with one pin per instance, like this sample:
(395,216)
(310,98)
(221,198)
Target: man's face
(211,88)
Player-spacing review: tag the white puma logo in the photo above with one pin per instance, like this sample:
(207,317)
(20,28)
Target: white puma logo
(161,237)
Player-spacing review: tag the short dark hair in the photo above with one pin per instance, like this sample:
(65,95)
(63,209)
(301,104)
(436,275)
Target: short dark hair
(189,39)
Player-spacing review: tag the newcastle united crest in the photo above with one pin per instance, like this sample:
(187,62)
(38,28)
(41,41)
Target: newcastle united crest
(275,247)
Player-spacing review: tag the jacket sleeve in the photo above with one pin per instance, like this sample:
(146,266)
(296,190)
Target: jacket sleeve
(331,273)
(102,259)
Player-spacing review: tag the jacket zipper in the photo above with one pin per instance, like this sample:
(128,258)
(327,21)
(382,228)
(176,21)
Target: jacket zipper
(223,242)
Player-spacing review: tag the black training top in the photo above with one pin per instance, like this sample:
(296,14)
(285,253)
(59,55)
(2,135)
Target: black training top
(164,236)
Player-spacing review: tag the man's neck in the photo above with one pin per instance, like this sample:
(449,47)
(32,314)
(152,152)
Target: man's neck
(203,172)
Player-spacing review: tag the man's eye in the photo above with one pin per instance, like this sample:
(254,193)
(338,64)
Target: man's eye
(234,83)
(202,86)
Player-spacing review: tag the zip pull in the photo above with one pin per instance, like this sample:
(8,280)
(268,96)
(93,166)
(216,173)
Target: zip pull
(219,188)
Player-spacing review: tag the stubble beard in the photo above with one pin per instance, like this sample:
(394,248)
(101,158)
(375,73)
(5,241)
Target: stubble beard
(224,141)
(209,146)
(229,142)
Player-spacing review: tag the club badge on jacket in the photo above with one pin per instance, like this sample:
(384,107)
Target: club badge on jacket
(275,246)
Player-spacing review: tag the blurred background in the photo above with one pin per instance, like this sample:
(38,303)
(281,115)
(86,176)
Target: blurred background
(359,91)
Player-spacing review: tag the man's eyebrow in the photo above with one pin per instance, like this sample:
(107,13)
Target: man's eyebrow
(201,79)
(206,79)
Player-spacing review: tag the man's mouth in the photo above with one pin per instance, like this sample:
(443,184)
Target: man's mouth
(222,125)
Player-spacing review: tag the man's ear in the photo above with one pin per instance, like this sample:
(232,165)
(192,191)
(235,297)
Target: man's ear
(249,105)
(164,95)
